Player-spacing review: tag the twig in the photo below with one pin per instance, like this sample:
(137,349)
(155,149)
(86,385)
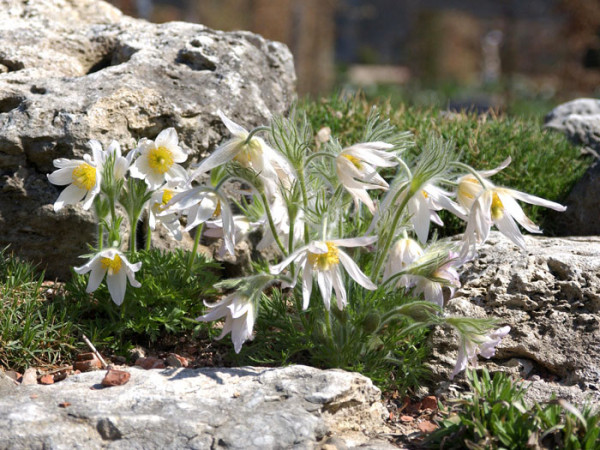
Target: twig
(91,346)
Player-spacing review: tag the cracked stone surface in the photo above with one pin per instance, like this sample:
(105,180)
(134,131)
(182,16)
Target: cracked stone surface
(237,408)
(550,297)
(71,71)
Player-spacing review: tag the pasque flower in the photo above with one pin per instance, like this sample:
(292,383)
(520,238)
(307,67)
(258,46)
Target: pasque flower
(157,209)
(356,169)
(83,177)
(472,345)
(498,206)
(239,312)
(253,153)
(157,160)
(201,204)
(322,259)
(403,253)
(114,264)
(431,283)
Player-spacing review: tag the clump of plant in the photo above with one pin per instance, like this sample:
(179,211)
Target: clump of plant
(31,330)
(494,415)
(356,277)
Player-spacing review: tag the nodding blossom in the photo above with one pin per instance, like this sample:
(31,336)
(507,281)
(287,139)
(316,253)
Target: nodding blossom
(498,206)
(403,253)
(239,312)
(253,153)
(201,204)
(114,264)
(477,344)
(157,209)
(83,177)
(322,259)
(158,160)
(356,169)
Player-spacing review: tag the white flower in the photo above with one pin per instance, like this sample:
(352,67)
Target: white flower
(157,209)
(157,160)
(239,312)
(471,346)
(469,187)
(112,263)
(255,154)
(241,228)
(498,206)
(121,163)
(431,285)
(423,205)
(201,204)
(403,253)
(322,258)
(355,167)
(84,178)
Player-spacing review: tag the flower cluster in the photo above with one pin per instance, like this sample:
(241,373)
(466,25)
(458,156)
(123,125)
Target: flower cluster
(309,204)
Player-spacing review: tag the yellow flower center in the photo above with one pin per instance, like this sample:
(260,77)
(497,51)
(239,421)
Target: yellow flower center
(425,194)
(217,212)
(113,265)
(354,160)
(249,153)
(166,198)
(324,261)
(84,176)
(160,159)
(497,208)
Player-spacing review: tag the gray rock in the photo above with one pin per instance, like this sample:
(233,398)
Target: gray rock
(241,408)
(579,119)
(75,71)
(549,295)
(582,217)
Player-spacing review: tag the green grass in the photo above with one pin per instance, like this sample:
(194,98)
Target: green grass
(494,415)
(544,163)
(41,330)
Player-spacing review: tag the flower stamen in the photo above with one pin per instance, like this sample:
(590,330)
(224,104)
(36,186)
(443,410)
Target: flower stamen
(497,208)
(324,261)
(84,176)
(113,265)
(354,160)
(160,159)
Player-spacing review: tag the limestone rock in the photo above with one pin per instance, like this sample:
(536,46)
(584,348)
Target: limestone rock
(75,71)
(238,408)
(549,295)
(579,119)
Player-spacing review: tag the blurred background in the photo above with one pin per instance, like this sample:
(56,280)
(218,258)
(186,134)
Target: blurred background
(517,56)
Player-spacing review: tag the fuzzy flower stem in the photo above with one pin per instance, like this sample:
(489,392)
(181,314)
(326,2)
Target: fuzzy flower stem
(304,202)
(100,235)
(148,233)
(272,223)
(254,131)
(317,154)
(381,255)
(194,250)
(405,167)
(132,237)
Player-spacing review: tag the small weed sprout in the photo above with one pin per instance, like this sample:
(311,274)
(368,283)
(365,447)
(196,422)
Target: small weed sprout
(353,220)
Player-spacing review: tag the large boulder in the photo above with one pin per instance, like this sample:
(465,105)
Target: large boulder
(75,71)
(579,120)
(239,408)
(550,297)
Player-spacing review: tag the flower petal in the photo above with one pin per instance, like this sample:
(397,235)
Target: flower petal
(325,285)
(355,272)
(117,283)
(69,196)
(307,284)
